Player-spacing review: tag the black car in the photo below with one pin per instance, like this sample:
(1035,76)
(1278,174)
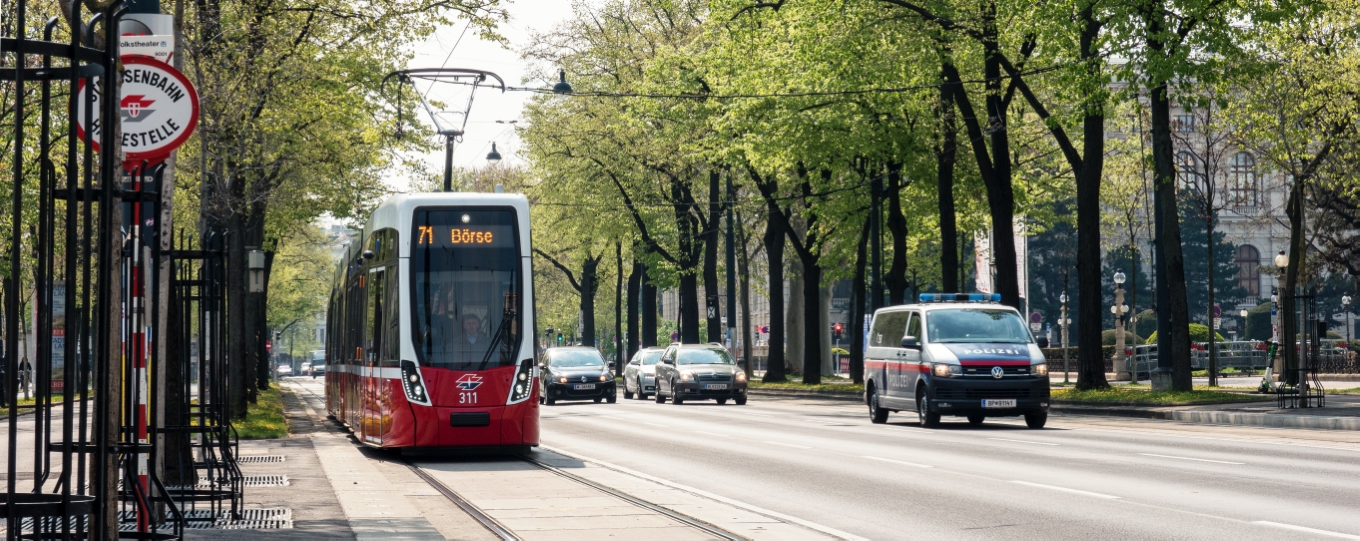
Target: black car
(575,373)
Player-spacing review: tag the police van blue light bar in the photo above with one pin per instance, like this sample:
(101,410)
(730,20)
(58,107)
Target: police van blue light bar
(960,297)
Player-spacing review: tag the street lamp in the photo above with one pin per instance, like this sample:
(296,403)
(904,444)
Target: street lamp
(1281,260)
(1244,315)
(255,262)
(493,157)
(1063,321)
(1346,307)
(1119,310)
(562,86)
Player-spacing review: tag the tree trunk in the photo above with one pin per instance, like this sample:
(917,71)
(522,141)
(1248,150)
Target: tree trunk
(262,326)
(896,278)
(236,320)
(619,346)
(1289,323)
(1213,351)
(634,290)
(712,308)
(828,358)
(590,268)
(854,329)
(744,266)
(945,157)
(689,309)
(1090,353)
(774,251)
(649,309)
(1173,316)
(795,344)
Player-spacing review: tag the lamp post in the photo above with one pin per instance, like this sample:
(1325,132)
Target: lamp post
(1119,309)
(1346,307)
(1283,331)
(1062,320)
(1243,332)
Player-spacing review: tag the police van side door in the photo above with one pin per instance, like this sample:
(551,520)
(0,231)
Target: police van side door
(885,351)
(913,365)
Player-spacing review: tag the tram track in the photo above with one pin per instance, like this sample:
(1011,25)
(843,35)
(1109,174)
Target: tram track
(500,530)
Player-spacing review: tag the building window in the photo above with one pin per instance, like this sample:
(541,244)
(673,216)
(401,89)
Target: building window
(1188,167)
(1249,269)
(1243,192)
(1185,123)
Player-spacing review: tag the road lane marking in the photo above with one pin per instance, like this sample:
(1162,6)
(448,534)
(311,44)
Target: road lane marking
(720,499)
(1024,441)
(1195,459)
(788,445)
(654,424)
(1306,529)
(1063,489)
(712,434)
(912,464)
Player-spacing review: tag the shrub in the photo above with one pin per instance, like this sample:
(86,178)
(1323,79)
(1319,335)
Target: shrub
(1258,322)
(1198,333)
(1107,338)
(1146,323)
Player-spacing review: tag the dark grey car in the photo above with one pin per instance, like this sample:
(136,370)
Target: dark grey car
(575,373)
(699,372)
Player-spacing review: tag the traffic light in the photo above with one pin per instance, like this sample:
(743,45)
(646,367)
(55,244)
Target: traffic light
(559,338)
(838,329)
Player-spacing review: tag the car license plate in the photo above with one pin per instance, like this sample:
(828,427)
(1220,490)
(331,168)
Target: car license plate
(585,386)
(716,386)
(1007,403)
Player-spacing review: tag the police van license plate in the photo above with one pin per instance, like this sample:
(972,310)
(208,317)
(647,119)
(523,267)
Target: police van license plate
(1004,403)
(716,386)
(586,386)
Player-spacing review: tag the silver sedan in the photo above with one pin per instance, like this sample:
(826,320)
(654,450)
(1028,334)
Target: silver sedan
(639,376)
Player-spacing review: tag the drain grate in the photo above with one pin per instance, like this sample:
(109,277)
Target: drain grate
(266,480)
(267,518)
(258,459)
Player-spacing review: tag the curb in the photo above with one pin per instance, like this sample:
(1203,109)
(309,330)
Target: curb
(771,393)
(1267,420)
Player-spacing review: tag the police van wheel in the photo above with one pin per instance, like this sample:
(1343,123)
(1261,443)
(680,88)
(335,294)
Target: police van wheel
(877,415)
(1036,420)
(975,420)
(927,419)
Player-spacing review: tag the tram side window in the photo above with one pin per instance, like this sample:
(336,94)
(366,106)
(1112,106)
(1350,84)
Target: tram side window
(377,296)
(392,339)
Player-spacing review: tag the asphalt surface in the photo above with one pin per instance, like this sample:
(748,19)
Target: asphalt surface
(1081,478)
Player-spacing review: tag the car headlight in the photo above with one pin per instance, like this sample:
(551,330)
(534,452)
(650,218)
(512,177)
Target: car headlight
(1039,370)
(741,376)
(686,376)
(604,377)
(562,379)
(945,370)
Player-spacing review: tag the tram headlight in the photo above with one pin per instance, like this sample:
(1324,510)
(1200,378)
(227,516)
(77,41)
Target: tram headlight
(523,382)
(410,375)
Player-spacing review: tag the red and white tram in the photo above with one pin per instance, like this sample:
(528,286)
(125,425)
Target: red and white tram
(426,342)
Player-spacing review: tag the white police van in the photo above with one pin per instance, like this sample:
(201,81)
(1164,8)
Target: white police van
(954,354)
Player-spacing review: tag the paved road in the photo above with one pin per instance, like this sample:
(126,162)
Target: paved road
(1082,478)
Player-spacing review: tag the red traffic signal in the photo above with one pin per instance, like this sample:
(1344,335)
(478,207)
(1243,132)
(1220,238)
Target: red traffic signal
(840,327)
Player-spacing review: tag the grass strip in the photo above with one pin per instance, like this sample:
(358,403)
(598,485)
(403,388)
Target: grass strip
(1123,396)
(264,419)
(796,384)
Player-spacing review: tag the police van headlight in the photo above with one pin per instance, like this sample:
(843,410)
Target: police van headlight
(1039,370)
(946,370)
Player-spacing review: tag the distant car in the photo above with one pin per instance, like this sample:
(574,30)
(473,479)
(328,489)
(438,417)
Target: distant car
(575,373)
(699,372)
(318,368)
(639,376)
(285,370)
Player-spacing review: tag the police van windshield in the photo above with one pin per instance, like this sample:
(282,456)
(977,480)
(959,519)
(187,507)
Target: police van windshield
(703,356)
(573,359)
(975,325)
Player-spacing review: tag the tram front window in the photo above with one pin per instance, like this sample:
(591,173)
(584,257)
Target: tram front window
(466,284)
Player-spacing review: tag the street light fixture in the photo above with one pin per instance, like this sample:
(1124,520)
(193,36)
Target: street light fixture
(1281,260)
(493,157)
(1346,307)
(1244,313)
(255,262)
(1063,321)
(562,86)
(1119,310)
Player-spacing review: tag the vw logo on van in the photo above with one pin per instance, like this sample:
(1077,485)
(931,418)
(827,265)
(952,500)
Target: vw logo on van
(997,372)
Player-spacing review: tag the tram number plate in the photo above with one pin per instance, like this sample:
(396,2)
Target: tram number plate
(1007,403)
(716,386)
(583,386)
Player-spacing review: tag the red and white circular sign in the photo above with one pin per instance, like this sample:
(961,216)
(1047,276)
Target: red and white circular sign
(158,108)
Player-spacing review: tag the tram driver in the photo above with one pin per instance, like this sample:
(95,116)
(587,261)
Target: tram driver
(471,344)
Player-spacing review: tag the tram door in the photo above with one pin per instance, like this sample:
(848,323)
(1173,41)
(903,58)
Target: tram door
(372,386)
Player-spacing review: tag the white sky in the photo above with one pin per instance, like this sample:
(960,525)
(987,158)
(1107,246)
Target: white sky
(489,105)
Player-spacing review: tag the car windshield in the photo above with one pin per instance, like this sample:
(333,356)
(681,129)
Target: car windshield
(572,359)
(649,358)
(703,356)
(975,325)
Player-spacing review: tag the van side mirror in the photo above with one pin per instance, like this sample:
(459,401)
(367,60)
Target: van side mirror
(1042,341)
(910,342)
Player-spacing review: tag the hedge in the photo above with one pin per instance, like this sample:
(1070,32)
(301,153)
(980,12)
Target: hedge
(1198,333)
